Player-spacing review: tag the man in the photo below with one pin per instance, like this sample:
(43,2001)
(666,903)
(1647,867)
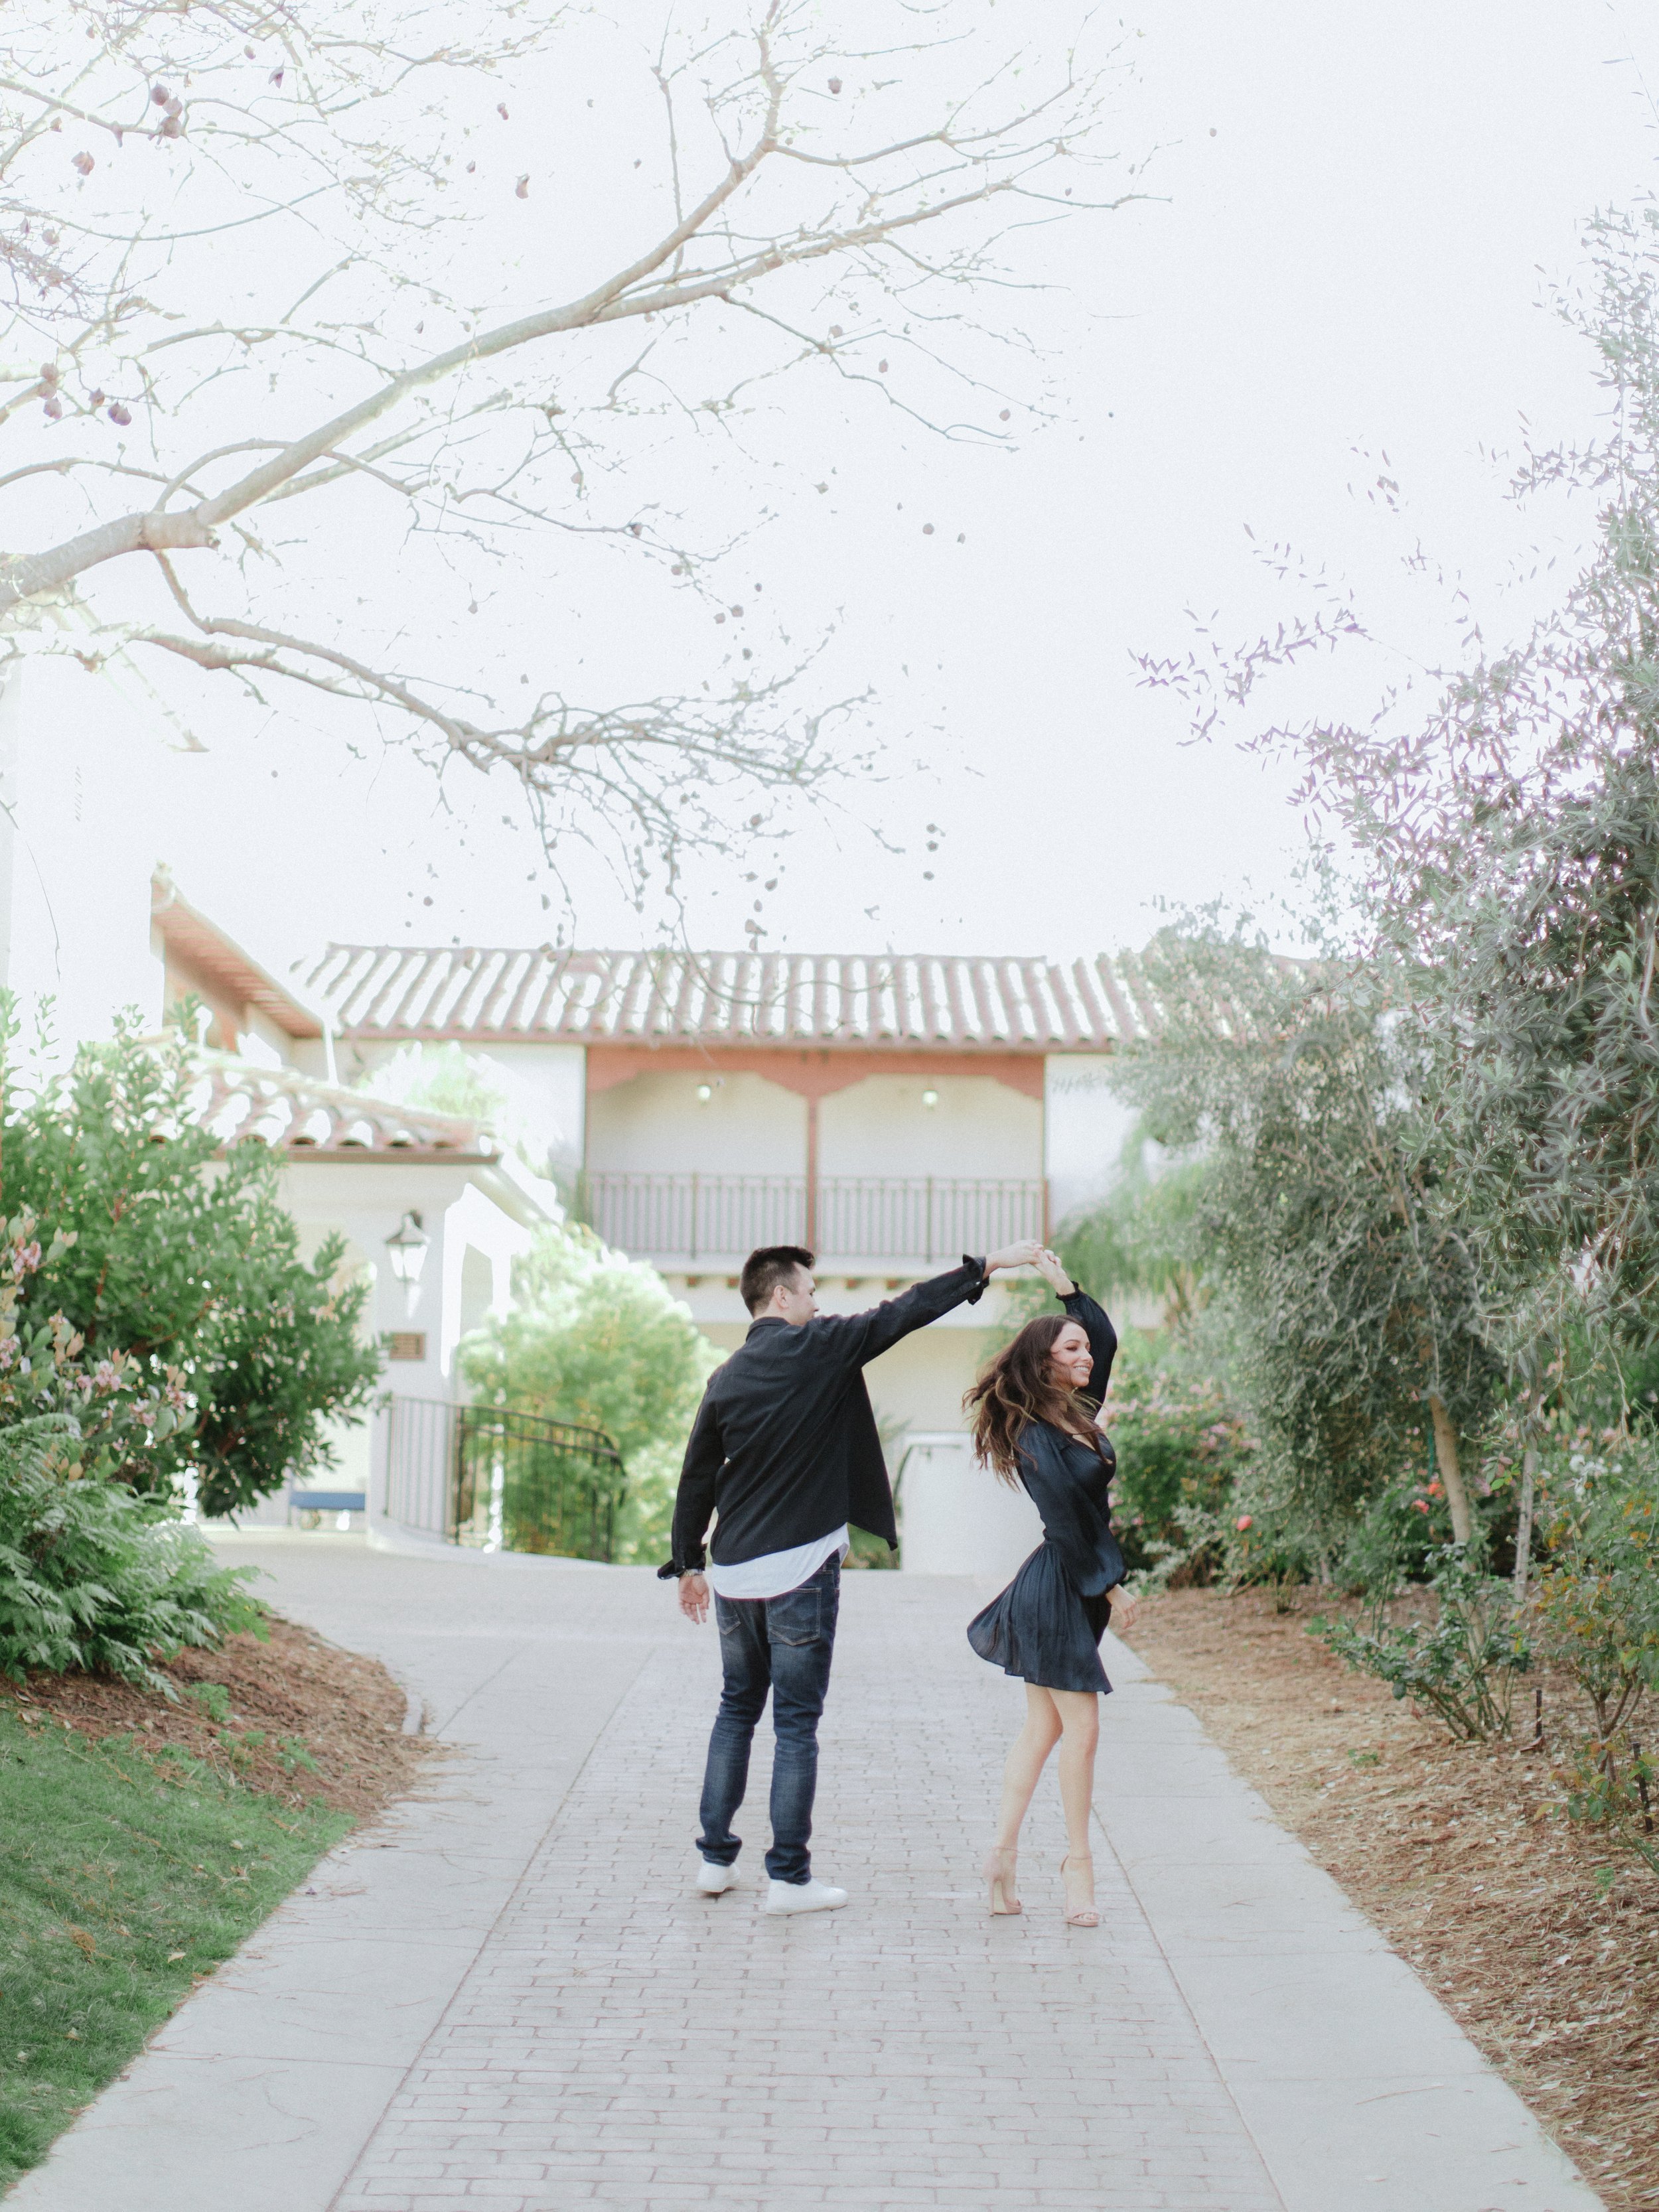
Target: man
(785,1451)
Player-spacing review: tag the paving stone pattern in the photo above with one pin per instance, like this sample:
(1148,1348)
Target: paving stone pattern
(622,2041)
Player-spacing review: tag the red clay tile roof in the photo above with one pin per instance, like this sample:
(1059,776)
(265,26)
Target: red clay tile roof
(224,963)
(296,1115)
(868,1002)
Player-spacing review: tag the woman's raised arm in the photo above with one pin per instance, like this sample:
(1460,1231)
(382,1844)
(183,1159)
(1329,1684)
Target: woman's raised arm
(1089,1317)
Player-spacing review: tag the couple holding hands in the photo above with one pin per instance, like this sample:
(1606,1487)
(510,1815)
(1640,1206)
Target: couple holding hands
(784,1457)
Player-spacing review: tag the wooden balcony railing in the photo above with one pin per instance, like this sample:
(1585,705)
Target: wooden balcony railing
(704,1218)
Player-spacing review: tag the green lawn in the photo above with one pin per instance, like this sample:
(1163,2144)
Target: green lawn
(124,1875)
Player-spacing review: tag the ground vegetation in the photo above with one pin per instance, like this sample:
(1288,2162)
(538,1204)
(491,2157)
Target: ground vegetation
(145,1830)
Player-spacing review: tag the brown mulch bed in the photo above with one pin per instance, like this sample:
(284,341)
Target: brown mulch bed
(301,1719)
(1540,1937)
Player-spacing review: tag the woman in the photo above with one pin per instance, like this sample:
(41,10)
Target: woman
(1034,1420)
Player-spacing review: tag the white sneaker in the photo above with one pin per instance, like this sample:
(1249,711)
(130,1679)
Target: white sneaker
(803,1897)
(714,1881)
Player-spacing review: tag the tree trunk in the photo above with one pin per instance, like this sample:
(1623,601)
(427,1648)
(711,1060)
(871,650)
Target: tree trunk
(1523,1525)
(1445,1451)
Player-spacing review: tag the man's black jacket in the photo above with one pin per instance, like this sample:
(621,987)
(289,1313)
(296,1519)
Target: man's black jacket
(784,1447)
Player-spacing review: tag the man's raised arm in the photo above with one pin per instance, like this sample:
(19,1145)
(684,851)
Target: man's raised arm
(865,1336)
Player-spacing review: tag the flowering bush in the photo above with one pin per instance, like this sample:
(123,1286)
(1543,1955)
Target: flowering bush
(1397,1539)
(121,1408)
(204,1344)
(1180,1446)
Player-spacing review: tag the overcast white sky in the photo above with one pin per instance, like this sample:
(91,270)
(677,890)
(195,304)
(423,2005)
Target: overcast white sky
(1359,212)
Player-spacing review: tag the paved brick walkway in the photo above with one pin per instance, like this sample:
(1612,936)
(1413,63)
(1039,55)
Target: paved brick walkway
(620,2042)
(507,1999)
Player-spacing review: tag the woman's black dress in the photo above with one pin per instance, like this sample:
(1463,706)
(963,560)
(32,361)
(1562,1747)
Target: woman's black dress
(1048,1624)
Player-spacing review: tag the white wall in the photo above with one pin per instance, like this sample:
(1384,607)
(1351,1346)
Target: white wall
(1086,1127)
(656,1124)
(880,1126)
(365,1204)
(957,1518)
(467,1270)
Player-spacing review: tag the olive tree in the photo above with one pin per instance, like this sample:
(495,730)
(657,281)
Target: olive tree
(1507,838)
(1352,1297)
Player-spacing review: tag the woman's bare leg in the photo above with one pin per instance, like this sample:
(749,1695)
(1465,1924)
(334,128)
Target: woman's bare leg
(1078,1713)
(1025,1762)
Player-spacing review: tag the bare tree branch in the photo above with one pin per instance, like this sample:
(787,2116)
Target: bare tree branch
(371,151)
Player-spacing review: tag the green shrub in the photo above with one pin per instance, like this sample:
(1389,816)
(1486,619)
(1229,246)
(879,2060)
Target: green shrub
(93,1578)
(600,1339)
(1181,1447)
(1265,1542)
(1597,1595)
(1596,1607)
(1464,1666)
(173,1261)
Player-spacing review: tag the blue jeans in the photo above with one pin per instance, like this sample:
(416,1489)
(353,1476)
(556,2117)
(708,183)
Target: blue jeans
(783,1644)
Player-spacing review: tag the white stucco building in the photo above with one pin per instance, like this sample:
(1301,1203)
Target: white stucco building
(888,1112)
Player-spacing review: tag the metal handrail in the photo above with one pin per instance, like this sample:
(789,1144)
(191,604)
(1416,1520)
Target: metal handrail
(492,1479)
(697,1216)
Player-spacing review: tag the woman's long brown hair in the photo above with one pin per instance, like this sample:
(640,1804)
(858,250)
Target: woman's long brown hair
(1017,1387)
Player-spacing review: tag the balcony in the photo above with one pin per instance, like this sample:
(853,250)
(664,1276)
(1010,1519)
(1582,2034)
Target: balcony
(715,1220)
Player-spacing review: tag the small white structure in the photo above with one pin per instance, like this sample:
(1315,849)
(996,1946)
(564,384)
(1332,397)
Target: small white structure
(956,1518)
(432,1192)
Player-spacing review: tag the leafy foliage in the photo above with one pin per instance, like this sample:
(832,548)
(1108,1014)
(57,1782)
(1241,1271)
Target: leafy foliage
(1596,1612)
(1180,1445)
(1507,846)
(1395,1542)
(1140,1239)
(1597,1599)
(445,1078)
(179,1270)
(600,1339)
(1464,1666)
(121,1410)
(94,1578)
(1351,1298)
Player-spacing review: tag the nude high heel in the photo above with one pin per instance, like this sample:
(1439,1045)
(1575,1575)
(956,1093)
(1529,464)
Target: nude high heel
(1000,1874)
(1080,1915)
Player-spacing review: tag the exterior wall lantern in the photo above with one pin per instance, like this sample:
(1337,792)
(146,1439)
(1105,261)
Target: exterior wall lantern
(930,1098)
(407,1249)
(705,1092)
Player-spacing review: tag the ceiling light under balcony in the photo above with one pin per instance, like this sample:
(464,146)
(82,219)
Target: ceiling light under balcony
(930,1099)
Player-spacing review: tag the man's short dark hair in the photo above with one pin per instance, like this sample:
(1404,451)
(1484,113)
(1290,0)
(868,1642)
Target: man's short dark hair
(765,1270)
